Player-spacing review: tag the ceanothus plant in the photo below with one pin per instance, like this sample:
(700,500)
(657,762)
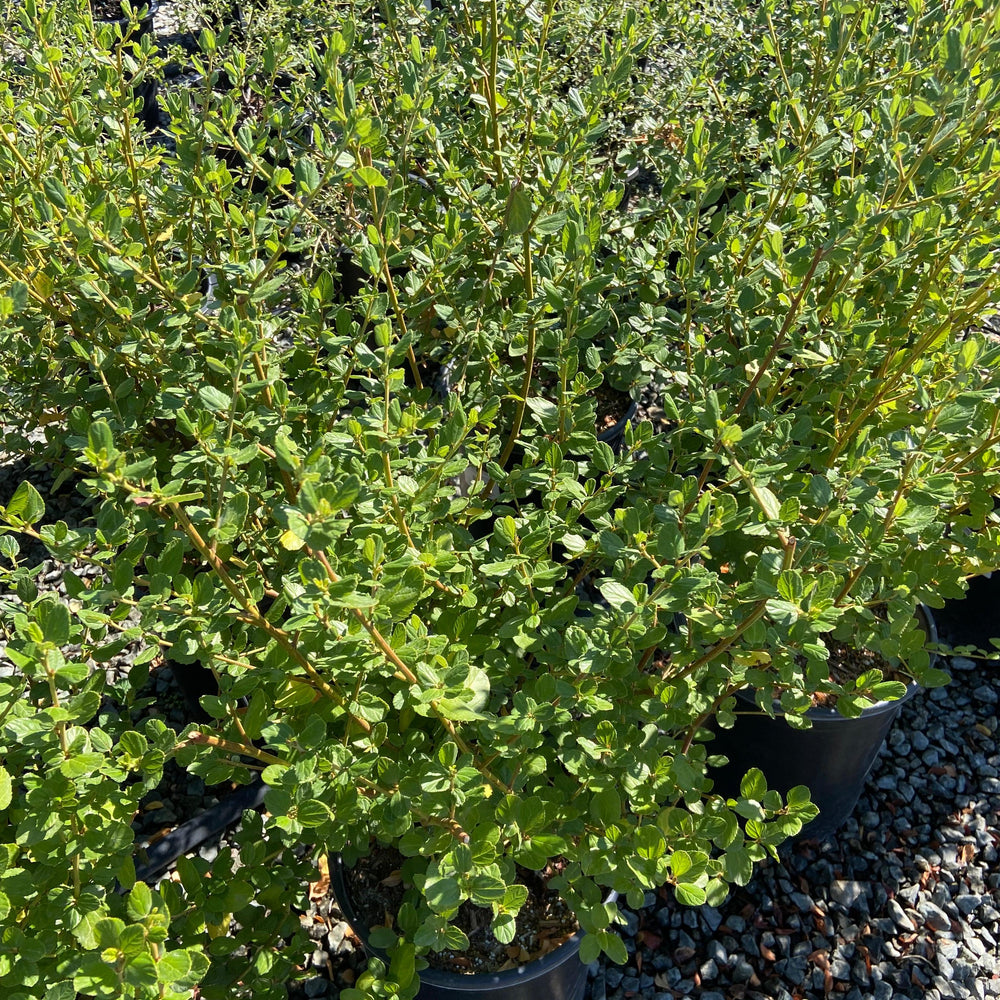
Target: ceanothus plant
(332,369)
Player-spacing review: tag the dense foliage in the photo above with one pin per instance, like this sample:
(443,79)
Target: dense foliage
(329,355)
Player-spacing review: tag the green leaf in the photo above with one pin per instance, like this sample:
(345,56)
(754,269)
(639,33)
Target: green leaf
(517,895)
(369,177)
(82,764)
(532,855)
(738,865)
(26,504)
(606,807)
(234,515)
(520,211)
(401,592)
(680,863)
(140,901)
(618,595)
(851,706)
(504,927)
(688,894)
(59,991)
(53,616)
(931,677)
(753,785)
(769,503)
(614,947)
(214,398)
(307,174)
(798,796)
(953,45)
(487,890)
(888,690)
(55,191)
(174,966)
(96,977)
(100,439)
(650,843)
(347,491)
(820,491)
(590,948)
(6,789)
(237,895)
(403,965)
(443,894)
(171,559)
(435,932)
(312,813)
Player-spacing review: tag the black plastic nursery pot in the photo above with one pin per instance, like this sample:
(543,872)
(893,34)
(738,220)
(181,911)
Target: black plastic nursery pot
(194,680)
(560,975)
(149,109)
(615,435)
(154,860)
(975,619)
(832,758)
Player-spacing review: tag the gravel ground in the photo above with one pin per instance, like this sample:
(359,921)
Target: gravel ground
(904,902)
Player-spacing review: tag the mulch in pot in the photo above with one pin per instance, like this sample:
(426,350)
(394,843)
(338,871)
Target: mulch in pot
(544,922)
(612,405)
(107,10)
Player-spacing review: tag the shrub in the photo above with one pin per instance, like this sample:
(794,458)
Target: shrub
(330,362)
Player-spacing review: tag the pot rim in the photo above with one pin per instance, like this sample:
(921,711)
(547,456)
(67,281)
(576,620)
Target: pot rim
(476,982)
(609,433)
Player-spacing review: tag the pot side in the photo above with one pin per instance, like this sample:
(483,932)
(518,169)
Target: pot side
(832,759)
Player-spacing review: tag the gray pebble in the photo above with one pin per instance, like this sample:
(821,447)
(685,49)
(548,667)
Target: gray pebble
(935,917)
(841,969)
(847,893)
(801,901)
(947,948)
(796,969)
(717,953)
(859,972)
(899,916)
(986,694)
